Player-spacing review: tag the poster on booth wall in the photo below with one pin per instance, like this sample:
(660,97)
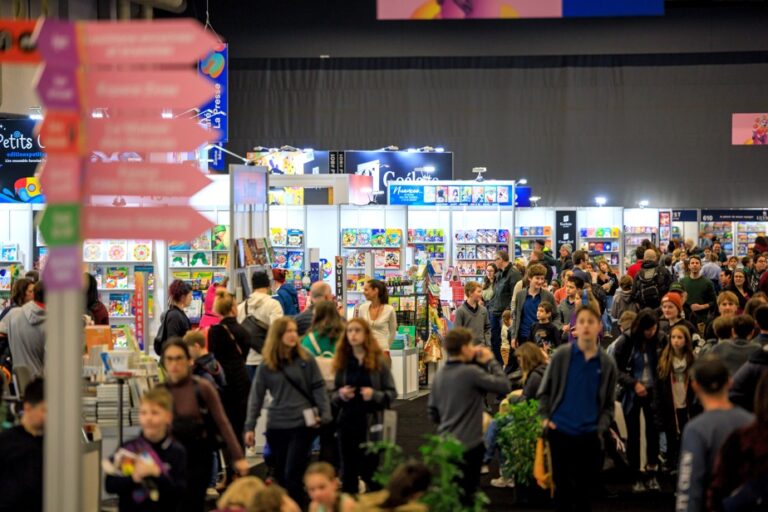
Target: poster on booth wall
(511,9)
(749,129)
(20,154)
(305,161)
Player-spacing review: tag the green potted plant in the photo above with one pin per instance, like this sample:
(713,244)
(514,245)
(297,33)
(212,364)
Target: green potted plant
(519,430)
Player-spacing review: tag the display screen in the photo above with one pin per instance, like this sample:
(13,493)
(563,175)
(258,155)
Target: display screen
(749,129)
(306,161)
(20,154)
(511,9)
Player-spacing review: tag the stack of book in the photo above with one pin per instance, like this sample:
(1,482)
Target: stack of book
(107,396)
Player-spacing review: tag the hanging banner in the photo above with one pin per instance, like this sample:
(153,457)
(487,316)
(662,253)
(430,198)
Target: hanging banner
(565,229)
(138,305)
(452,193)
(20,154)
(215,67)
(510,9)
(749,129)
(398,166)
(734,215)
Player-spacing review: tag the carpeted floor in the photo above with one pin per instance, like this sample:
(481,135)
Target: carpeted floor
(414,424)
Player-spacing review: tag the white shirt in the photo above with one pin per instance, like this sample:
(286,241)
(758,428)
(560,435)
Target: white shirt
(263,308)
(384,327)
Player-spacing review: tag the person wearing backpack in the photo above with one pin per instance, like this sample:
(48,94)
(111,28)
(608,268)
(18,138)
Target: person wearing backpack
(651,282)
(256,314)
(286,293)
(364,388)
(320,341)
(198,419)
(174,322)
(298,408)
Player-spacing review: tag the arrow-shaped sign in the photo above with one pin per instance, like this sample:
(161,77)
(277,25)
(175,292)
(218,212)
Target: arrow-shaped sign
(143,179)
(148,135)
(171,41)
(179,89)
(57,88)
(57,42)
(60,178)
(157,223)
(60,224)
(60,132)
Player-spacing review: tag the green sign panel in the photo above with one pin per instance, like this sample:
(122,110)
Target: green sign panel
(60,225)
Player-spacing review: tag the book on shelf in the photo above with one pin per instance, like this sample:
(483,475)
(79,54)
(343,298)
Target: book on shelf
(200,259)
(202,242)
(117,250)
(180,259)
(116,278)
(220,237)
(120,304)
(9,253)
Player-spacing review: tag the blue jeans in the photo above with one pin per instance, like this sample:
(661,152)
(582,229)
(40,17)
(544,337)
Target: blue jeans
(214,470)
(491,446)
(495,320)
(607,321)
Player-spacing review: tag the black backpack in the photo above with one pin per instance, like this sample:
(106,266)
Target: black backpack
(600,296)
(257,330)
(647,280)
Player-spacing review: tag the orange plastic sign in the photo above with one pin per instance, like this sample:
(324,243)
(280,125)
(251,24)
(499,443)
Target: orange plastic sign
(16,43)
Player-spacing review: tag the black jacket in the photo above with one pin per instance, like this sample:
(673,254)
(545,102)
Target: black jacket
(503,288)
(662,279)
(176,323)
(745,380)
(170,485)
(231,352)
(21,474)
(624,356)
(304,320)
(550,263)
(666,419)
(533,383)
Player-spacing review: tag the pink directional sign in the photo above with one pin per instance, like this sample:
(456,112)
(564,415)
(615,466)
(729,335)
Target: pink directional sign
(171,41)
(181,89)
(60,178)
(57,42)
(143,179)
(57,88)
(63,269)
(149,135)
(157,223)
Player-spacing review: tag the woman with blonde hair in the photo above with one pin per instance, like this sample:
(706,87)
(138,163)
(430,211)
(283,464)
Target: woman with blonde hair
(533,362)
(299,404)
(364,388)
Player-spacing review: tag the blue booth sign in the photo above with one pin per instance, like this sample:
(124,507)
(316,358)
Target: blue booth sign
(215,67)
(734,215)
(685,215)
(456,193)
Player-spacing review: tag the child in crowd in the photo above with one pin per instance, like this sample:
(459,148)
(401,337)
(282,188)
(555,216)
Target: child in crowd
(150,471)
(576,399)
(544,333)
(456,404)
(705,434)
(506,335)
(622,300)
(407,485)
(323,488)
(473,315)
(561,292)
(737,350)
(675,398)
(625,328)
(206,366)
(574,288)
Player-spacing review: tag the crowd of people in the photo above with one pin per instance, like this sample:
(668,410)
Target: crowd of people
(674,353)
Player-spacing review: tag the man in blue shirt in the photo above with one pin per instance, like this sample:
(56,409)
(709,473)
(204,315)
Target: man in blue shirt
(577,401)
(527,303)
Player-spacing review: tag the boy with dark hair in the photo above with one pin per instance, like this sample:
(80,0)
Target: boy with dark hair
(574,288)
(737,351)
(149,473)
(206,366)
(545,333)
(581,266)
(456,400)
(527,302)
(700,290)
(21,450)
(761,319)
(473,315)
(705,434)
(576,400)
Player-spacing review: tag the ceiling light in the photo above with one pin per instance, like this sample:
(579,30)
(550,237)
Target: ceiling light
(522,181)
(643,203)
(439,150)
(600,201)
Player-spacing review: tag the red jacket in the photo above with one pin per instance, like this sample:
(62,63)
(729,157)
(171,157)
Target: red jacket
(634,268)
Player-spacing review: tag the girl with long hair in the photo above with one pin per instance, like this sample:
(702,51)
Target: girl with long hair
(174,322)
(740,287)
(488,281)
(93,305)
(364,388)
(675,399)
(327,326)
(299,404)
(379,314)
(636,360)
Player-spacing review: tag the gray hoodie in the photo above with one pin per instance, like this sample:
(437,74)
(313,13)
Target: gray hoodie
(476,321)
(24,327)
(264,308)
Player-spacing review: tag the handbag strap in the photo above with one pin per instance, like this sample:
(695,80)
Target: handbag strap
(315,345)
(232,337)
(302,391)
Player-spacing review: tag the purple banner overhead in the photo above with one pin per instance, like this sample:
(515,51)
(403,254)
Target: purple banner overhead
(63,269)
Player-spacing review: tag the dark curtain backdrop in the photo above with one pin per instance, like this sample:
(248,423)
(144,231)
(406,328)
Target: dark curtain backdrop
(630,128)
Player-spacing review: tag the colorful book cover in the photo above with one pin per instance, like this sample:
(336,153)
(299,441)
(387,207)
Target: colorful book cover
(395,303)
(348,237)
(394,237)
(202,242)
(375,238)
(599,232)
(441,194)
(615,232)
(295,260)
(503,195)
(440,235)
(184,275)
(547,230)
(454,195)
(222,259)
(200,259)
(295,238)
(281,259)
(478,195)
(179,246)
(98,274)
(503,236)
(583,232)
(429,195)
(204,278)
(9,252)
(179,259)
(93,250)
(195,309)
(278,237)
(120,304)
(117,250)
(466,195)
(379,259)
(140,250)
(220,237)
(490,195)
(218,277)
(117,278)
(407,303)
